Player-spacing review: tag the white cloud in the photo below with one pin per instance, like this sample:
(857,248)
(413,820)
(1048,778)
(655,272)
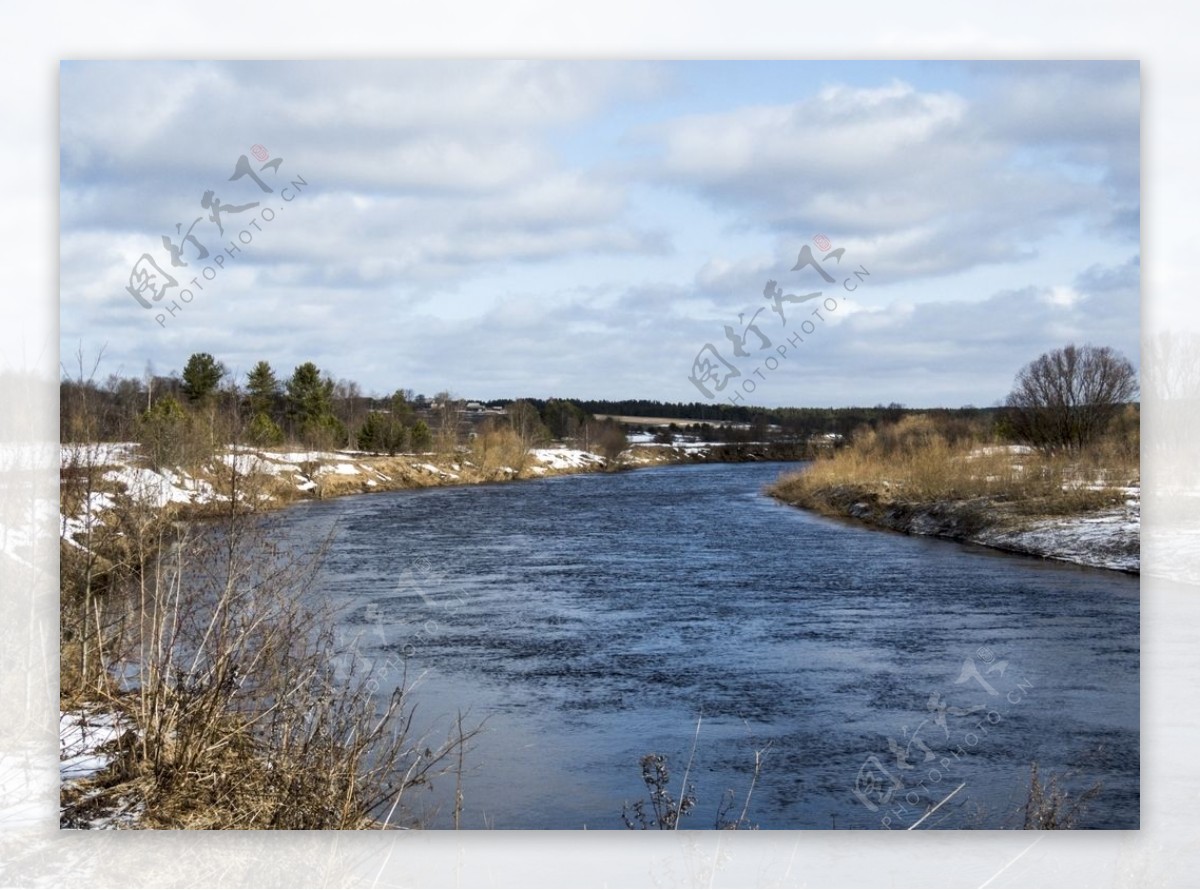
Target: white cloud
(452,209)
(928,181)
(1062,295)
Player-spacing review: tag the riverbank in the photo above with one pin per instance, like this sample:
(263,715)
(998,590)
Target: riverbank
(1094,522)
(108,494)
(95,477)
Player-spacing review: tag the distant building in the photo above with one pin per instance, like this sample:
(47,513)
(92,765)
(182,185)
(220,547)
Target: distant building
(827,440)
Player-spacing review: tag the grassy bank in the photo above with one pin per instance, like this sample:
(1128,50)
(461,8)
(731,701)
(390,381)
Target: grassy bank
(922,477)
(200,685)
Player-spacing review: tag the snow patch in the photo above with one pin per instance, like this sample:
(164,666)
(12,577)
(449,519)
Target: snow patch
(985,450)
(246,463)
(85,741)
(89,517)
(1109,539)
(81,740)
(437,471)
(566,458)
(97,454)
(304,457)
(161,488)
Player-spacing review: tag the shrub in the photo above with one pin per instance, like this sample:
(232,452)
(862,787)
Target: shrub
(163,431)
(496,447)
(245,710)
(323,432)
(422,439)
(263,431)
(382,432)
(1051,808)
(665,812)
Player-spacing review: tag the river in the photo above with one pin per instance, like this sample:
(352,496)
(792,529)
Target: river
(589,620)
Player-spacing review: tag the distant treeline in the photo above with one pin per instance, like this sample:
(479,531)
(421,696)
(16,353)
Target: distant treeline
(181,419)
(310,407)
(789,421)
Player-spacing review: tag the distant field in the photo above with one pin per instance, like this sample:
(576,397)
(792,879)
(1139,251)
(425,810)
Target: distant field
(655,421)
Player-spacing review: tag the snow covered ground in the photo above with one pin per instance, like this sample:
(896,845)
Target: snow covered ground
(86,748)
(142,484)
(123,473)
(437,471)
(159,488)
(1107,539)
(82,738)
(1110,539)
(566,458)
(657,453)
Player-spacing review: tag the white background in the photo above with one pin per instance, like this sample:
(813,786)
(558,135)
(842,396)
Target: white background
(1166,852)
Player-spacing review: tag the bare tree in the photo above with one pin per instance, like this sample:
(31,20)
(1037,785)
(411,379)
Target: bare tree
(1066,399)
(350,406)
(609,437)
(447,422)
(81,477)
(526,422)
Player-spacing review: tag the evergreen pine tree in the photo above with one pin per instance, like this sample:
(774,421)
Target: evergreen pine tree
(201,375)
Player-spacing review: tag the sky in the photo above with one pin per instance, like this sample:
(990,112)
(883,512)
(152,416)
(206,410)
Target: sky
(603,229)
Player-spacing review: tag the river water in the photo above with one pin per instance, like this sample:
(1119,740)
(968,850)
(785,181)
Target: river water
(588,620)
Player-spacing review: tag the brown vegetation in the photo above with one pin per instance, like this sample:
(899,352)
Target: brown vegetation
(1050,807)
(243,711)
(923,462)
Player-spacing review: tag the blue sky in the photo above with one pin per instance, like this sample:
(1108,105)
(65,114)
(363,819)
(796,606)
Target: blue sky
(588,229)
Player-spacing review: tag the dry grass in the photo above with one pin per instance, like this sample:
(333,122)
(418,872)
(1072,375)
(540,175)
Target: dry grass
(247,712)
(1050,807)
(499,452)
(916,462)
